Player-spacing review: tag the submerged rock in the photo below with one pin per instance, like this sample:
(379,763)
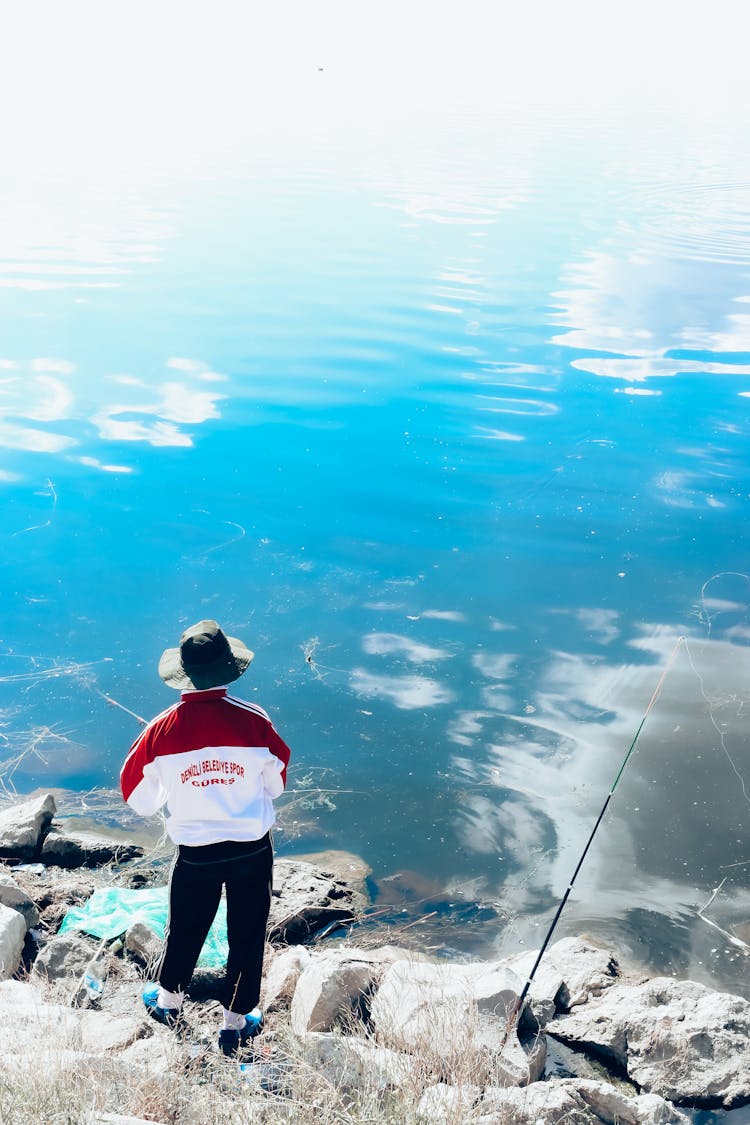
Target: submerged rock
(306,899)
(676,1038)
(22,827)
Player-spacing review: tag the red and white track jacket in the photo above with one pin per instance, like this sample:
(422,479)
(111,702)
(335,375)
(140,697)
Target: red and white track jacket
(215,761)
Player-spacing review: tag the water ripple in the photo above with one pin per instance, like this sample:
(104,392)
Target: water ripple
(707,222)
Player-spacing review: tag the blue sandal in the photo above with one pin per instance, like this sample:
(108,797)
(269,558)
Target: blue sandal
(230,1042)
(168,1016)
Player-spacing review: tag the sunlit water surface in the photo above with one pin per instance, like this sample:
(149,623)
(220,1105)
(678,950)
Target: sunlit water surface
(449,422)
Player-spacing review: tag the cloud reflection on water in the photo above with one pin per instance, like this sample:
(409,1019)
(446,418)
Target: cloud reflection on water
(156,413)
(641,309)
(405,692)
(384,644)
(680,813)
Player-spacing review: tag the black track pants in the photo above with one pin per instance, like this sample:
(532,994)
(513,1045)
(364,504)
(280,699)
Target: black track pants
(198,875)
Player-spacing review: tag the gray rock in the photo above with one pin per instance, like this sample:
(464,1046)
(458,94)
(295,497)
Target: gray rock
(678,1039)
(13,896)
(546,988)
(153,1057)
(53,1039)
(144,944)
(286,968)
(351,1062)
(614,1107)
(573,1102)
(12,937)
(281,978)
(111,1032)
(65,957)
(22,1014)
(457,1017)
(306,899)
(381,955)
(85,849)
(22,826)
(443,1104)
(570,973)
(347,868)
(55,892)
(329,991)
(566,1062)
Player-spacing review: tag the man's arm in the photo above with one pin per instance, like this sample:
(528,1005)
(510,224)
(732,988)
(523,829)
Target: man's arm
(280,750)
(139,778)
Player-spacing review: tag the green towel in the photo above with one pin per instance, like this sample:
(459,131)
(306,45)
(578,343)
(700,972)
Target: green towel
(112,910)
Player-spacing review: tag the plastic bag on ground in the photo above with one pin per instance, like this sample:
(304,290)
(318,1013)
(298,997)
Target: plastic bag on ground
(112,910)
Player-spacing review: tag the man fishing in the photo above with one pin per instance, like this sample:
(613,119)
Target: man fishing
(217,763)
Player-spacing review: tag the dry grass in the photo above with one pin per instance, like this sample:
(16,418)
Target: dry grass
(187,1082)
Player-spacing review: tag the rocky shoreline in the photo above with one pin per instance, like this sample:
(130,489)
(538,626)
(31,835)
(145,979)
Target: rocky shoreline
(595,1042)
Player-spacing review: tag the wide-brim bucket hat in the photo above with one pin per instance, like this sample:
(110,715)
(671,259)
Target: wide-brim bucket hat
(206,658)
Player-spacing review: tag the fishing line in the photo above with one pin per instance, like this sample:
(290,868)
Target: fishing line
(309,648)
(652,702)
(38,675)
(114,703)
(704,600)
(714,724)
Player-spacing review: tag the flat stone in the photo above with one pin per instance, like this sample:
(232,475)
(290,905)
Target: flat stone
(12,937)
(617,1108)
(29,1025)
(22,827)
(678,1039)
(16,898)
(85,849)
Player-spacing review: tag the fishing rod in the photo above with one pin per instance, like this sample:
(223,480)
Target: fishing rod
(517,1007)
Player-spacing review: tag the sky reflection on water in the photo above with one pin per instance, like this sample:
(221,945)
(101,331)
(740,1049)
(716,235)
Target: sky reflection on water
(441,402)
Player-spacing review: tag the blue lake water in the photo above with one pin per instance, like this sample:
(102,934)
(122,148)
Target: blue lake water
(447,415)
